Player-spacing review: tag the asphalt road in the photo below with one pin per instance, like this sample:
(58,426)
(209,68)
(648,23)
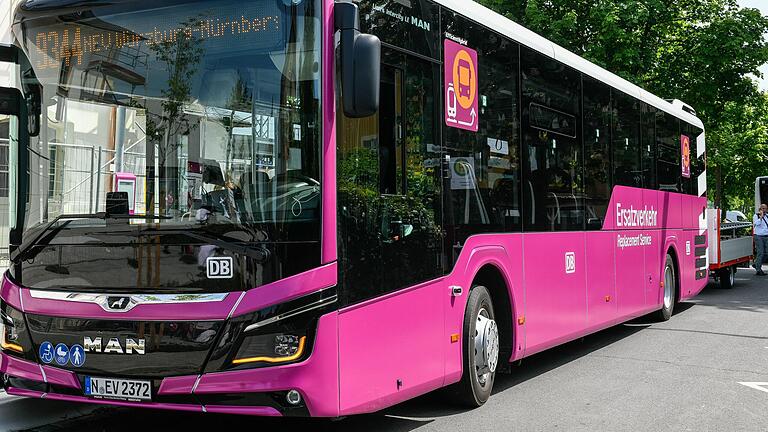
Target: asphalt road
(685,374)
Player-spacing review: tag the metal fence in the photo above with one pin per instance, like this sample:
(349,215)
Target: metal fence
(80,174)
(77,176)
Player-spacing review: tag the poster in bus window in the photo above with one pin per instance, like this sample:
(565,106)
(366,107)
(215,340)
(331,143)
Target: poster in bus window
(685,151)
(461,87)
(462,173)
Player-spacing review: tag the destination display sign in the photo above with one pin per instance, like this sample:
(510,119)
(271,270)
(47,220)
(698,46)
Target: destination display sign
(128,39)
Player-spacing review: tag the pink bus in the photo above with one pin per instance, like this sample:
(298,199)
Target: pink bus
(336,206)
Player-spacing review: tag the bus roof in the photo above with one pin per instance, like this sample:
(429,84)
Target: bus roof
(514,31)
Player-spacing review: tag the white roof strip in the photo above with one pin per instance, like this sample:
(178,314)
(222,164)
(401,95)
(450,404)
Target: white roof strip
(522,35)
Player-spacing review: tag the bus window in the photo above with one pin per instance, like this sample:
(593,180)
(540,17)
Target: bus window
(390,234)
(626,141)
(597,157)
(489,198)
(668,152)
(553,157)
(692,183)
(648,147)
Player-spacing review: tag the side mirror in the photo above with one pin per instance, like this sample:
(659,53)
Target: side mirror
(10,101)
(360,63)
(33,91)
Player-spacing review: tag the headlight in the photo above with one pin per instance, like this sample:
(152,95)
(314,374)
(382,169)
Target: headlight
(271,348)
(13,330)
(279,334)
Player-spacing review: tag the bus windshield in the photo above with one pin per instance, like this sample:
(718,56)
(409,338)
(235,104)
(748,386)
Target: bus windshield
(204,115)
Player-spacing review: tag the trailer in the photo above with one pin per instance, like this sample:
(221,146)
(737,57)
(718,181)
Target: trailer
(730,247)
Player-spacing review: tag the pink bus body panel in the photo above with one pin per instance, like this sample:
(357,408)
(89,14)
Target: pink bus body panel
(630,271)
(653,260)
(555,299)
(601,284)
(395,339)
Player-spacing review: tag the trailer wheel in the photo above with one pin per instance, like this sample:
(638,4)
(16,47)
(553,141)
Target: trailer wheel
(727,277)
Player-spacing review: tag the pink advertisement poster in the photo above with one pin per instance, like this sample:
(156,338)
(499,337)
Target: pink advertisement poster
(461,87)
(685,151)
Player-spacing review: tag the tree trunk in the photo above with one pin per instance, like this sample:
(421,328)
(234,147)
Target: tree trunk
(719,187)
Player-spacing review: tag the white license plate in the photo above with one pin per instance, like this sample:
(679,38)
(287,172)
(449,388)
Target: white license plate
(122,389)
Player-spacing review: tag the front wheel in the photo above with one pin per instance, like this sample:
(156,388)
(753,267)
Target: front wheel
(670,290)
(480,351)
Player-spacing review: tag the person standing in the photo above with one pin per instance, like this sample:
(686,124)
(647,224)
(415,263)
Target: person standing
(760,221)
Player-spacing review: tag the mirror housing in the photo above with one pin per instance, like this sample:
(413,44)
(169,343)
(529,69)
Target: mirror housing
(10,101)
(32,90)
(360,63)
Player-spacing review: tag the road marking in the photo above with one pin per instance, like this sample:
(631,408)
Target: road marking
(762,386)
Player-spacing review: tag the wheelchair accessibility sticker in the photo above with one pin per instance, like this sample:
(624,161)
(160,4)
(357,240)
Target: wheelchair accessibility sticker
(46,352)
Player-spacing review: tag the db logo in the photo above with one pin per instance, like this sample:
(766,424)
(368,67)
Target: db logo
(219,267)
(570,262)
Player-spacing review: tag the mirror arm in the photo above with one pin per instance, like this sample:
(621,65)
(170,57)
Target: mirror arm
(9,54)
(12,102)
(22,180)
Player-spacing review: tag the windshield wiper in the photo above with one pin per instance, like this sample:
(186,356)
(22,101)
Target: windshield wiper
(25,247)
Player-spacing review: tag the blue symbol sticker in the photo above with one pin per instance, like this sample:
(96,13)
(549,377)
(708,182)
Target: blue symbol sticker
(61,354)
(46,352)
(77,355)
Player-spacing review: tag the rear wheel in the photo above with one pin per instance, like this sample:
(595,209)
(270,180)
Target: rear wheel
(480,351)
(727,277)
(670,290)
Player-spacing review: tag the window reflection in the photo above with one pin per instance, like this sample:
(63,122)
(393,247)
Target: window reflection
(389,185)
(483,191)
(554,160)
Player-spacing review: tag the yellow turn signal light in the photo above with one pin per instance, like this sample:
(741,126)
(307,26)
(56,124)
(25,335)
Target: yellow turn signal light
(11,347)
(295,356)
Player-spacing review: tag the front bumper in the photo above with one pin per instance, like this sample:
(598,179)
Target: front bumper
(251,392)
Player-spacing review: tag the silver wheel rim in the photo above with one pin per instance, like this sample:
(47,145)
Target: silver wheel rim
(486,346)
(669,283)
(732,276)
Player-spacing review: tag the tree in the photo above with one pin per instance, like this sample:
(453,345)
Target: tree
(740,153)
(704,52)
(180,53)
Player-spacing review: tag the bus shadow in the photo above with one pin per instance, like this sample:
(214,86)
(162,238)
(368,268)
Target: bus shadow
(433,405)
(541,363)
(749,294)
(125,420)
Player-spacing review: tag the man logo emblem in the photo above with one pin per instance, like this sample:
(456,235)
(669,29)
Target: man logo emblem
(219,267)
(118,303)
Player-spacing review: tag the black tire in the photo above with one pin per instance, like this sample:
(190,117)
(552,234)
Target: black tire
(727,277)
(470,391)
(670,289)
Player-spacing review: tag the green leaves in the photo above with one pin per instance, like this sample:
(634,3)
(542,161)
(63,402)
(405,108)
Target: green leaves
(704,52)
